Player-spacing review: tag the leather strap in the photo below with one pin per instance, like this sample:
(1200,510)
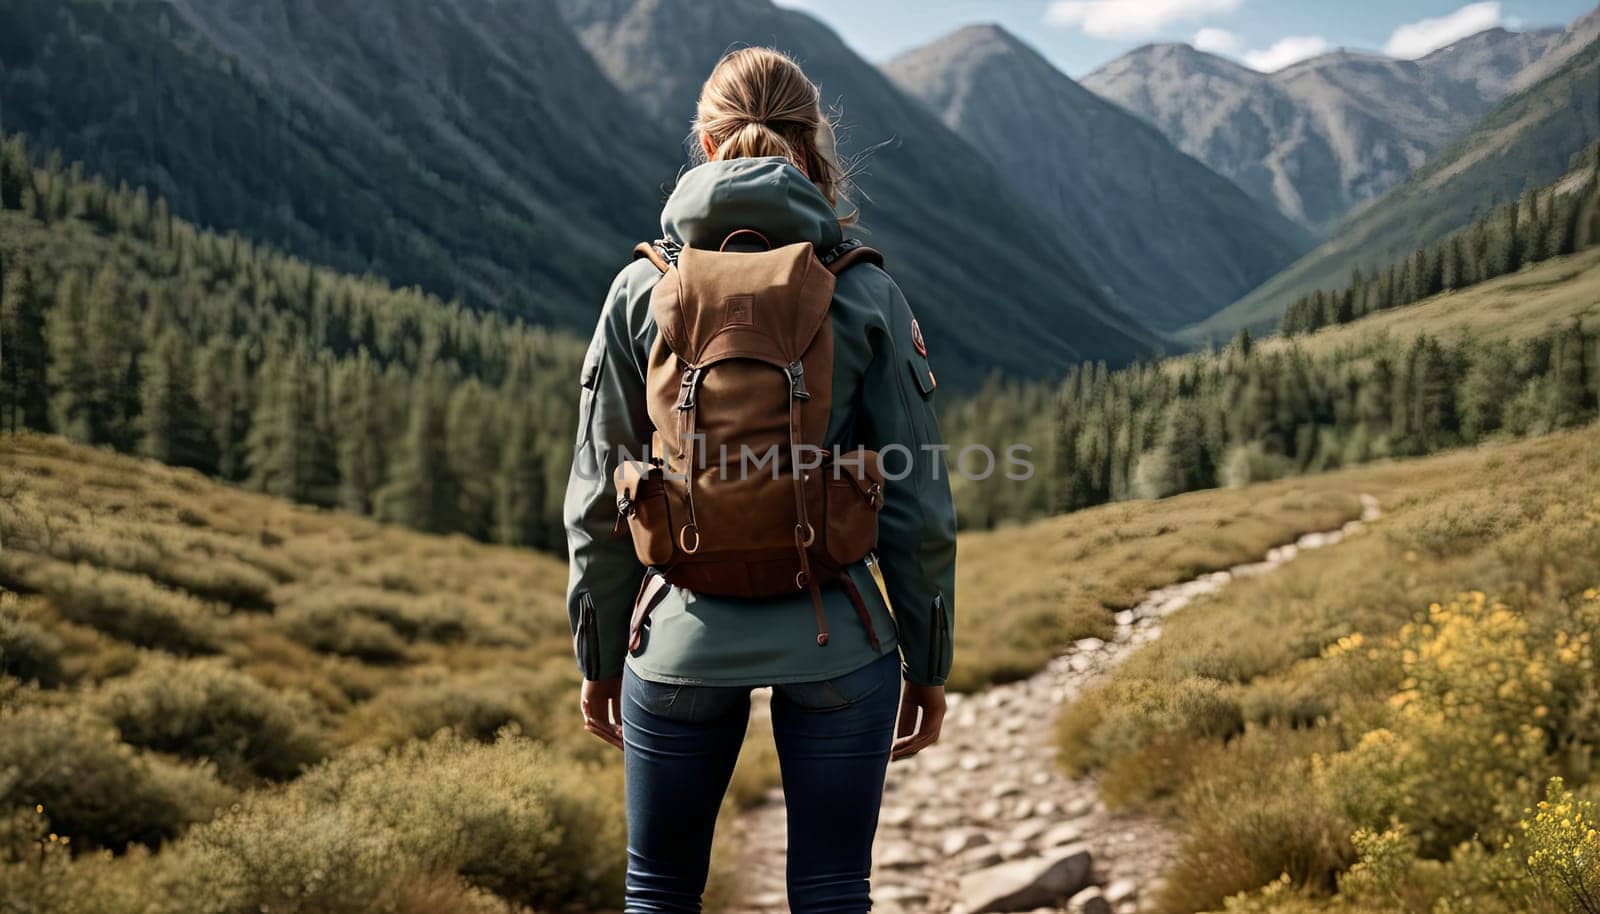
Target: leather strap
(847,254)
(663,253)
(740,238)
(804,534)
(839,258)
(861,607)
(687,418)
(652,590)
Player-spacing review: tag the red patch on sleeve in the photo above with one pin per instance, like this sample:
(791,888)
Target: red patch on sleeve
(916,338)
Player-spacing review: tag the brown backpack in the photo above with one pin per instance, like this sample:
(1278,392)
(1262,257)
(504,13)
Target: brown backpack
(738,497)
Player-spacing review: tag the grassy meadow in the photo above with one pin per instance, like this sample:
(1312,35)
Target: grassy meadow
(1380,719)
(271,707)
(1539,299)
(1026,590)
(217,701)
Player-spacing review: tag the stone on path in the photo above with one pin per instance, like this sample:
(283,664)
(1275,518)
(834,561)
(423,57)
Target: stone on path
(1089,901)
(1121,890)
(962,840)
(1065,833)
(1023,884)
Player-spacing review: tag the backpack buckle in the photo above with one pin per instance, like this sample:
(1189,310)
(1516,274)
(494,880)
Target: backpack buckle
(688,386)
(797,381)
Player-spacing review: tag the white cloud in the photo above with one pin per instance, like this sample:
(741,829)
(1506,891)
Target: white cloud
(1418,38)
(1216,41)
(1285,51)
(1131,18)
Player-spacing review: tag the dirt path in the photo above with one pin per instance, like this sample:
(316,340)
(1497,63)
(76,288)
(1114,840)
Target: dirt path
(987,819)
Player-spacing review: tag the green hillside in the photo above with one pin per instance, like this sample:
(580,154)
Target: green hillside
(1370,729)
(1254,412)
(176,655)
(1532,302)
(436,144)
(1527,141)
(1548,222)
(128,328)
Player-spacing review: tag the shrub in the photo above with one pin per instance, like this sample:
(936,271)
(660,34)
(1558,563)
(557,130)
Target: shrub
(1250,822)
(1468,728)
(122,605)
(94,787)
(326,628)
(1126,716)
(363,830)
(415,618)
(194,561)
(204,709)
(27,651)
(1560,841)
(475,705)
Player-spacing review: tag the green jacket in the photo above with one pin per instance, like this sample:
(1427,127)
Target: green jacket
(882,392)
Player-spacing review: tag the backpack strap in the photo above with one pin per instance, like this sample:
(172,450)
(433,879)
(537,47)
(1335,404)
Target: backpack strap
(663,252)
(847,254)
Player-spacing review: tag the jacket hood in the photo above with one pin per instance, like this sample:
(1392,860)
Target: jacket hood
(766,194)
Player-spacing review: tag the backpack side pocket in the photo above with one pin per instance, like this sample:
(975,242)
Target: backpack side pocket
(642,499)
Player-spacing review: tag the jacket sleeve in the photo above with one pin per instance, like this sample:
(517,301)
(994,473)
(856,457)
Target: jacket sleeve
(917,527)
(613,425)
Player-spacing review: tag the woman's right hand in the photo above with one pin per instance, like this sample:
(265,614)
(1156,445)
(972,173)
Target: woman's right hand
(916,732)
(601,702)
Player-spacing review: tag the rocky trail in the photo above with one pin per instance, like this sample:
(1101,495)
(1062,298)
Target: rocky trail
(987,821)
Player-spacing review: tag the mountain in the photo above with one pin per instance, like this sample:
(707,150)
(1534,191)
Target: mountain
(435,143)
(1577,36)
(1527,141)
(995,282)
(1322,137)
(1175,240)
(1494,60)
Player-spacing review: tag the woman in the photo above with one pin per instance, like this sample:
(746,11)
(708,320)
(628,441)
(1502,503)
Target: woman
(677,702)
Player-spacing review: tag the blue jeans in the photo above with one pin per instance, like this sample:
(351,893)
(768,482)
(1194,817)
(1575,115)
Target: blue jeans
(833,741)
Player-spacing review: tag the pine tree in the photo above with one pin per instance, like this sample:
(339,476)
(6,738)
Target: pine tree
(1568,398)
(174,429)
(15,174)
(290,445)
(519,496)
(1530,229)
(24,365)
(474,452)
(363,429)
(72,404)
(1434,389)
(111,338)
(422,492)
(224,379)
(1452,274)
(1489,384)
(1189,463)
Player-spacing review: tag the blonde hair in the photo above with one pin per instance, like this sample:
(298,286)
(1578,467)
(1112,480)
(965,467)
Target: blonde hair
(758,102)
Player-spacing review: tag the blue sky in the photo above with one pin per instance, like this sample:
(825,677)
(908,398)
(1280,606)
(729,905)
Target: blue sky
(1079,35)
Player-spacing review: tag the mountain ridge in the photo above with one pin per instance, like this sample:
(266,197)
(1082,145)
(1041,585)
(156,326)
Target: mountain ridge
(1322,137)
(1173,238)
(1527,141)
(927,198)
